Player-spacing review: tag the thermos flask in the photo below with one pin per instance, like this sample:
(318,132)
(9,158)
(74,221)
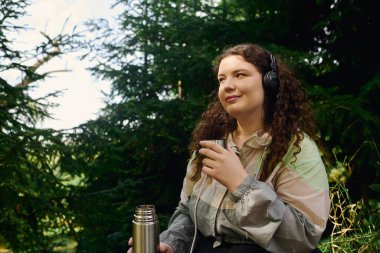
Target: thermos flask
(221,142)
(145,230)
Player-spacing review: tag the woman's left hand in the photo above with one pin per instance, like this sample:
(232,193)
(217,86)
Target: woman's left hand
(222,164)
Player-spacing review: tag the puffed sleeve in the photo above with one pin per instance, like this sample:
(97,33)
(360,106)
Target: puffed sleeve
(289,212)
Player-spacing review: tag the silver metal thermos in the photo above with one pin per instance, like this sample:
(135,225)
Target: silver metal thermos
(145,230)
(221,142)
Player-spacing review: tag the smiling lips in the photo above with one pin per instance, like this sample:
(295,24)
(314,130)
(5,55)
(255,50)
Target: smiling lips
(232,98)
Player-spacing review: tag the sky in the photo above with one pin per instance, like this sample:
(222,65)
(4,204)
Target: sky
(81,97)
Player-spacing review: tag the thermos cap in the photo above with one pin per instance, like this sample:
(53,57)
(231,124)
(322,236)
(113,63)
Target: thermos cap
(145,213)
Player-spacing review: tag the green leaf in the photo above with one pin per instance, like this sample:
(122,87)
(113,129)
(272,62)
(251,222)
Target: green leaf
(375,187)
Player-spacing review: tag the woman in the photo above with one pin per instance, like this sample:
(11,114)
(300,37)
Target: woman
(268,191)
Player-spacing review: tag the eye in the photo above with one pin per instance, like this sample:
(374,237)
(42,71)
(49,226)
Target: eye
(221,79)
(239,75)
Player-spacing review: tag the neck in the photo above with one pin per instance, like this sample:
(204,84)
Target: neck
(245,129)
(246,126)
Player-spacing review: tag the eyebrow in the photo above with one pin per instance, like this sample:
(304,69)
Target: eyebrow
(235,71)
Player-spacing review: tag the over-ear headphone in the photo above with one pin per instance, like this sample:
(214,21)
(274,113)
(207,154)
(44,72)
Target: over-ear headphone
(270,79)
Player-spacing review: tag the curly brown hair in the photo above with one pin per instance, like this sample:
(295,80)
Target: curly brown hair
(287,113)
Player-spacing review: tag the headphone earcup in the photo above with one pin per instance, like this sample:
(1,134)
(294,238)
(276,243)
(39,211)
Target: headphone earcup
(270,82)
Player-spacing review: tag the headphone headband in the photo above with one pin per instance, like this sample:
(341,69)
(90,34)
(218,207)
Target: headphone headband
(273,63)
(270,79)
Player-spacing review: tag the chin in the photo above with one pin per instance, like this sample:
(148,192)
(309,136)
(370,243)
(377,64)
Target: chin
(233,112)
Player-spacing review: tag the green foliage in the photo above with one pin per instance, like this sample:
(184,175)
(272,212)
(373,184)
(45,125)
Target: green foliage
(87,181)
(144,153)
(31,194)
(136,151)
(354,225)
(346,85)
(349,129)
(33,210)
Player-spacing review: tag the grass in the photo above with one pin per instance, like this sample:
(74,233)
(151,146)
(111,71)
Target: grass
(355,225)
(69,247)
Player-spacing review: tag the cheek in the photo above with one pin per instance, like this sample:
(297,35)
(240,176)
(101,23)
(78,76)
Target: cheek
(261,94)
(220,95)
(255,91)
(222,98)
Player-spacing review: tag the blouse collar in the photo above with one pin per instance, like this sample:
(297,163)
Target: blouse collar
(258,139)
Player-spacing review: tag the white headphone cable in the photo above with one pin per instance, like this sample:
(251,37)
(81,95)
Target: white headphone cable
(199,195)
(261,161)
(195,215)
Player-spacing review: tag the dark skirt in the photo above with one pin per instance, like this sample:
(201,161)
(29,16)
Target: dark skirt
(205,245)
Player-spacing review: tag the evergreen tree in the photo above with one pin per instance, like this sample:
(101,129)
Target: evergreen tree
(159,64)
(33,209)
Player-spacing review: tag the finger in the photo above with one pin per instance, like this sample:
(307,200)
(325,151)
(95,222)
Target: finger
(209,163)
(208,171)
(209,153)
(163,248)
(130,250)
(130,241)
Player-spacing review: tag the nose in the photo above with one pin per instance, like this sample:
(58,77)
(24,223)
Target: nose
(229,84)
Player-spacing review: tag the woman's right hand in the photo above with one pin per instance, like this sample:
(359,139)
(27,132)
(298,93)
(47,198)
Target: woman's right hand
(164,248)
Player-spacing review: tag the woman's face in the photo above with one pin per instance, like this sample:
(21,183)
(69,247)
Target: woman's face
(240,88)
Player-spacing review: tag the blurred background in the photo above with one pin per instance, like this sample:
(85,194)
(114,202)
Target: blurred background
(98,100)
